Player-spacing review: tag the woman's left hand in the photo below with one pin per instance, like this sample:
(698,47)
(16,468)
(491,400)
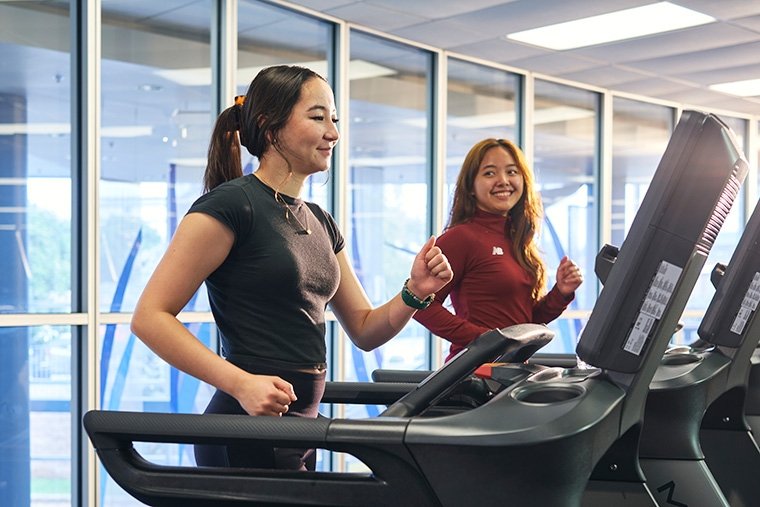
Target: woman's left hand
(569,277)
(430,270)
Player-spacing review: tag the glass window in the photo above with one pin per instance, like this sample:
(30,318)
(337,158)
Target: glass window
(388,184)
(565,126)
(35,451)
(35,252)
(35,159)
(134,379)
(481,103)
(269,35)
(156,123)
(640,133)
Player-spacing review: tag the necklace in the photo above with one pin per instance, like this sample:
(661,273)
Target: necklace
(303,229)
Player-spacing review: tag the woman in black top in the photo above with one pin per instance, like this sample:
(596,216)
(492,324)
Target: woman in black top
(271,262)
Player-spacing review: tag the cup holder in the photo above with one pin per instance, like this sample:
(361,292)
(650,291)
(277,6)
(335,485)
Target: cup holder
(547,394)
(680,358)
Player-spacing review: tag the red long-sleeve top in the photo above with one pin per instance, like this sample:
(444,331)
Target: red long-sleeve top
(489,289)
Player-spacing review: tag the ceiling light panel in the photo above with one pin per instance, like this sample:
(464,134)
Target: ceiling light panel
(614,26)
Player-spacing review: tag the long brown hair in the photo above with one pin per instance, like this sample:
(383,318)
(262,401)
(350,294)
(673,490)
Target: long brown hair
(525,216)
(254,122)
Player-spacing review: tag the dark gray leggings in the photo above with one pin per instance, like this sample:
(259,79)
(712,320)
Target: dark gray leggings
(309,388)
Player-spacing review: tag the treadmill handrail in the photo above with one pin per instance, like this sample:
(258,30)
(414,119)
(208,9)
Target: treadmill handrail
(115,429)
(366,393)
(376,443)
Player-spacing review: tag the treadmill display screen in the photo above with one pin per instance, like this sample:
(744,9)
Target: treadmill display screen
(734,304)
(686,204)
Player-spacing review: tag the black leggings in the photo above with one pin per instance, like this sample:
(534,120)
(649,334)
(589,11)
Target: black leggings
(309,388)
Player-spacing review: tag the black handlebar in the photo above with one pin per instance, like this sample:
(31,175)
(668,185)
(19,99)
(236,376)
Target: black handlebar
(511,344)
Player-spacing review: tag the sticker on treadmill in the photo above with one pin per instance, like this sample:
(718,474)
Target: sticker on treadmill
(660,290)
(749,305)
(638,335)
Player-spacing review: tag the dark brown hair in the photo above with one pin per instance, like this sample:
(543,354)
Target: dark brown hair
(525,216)
(256,124)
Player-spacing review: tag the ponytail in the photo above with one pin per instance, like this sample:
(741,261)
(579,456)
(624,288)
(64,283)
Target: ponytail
(224,150)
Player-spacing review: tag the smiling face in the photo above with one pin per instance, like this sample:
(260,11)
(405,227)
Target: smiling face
(311,132)
(498,183)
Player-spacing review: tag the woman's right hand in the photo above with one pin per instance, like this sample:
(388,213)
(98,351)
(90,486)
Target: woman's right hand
(569,277)
(265,395)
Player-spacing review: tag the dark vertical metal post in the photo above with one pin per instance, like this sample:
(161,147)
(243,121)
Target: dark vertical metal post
(85,158)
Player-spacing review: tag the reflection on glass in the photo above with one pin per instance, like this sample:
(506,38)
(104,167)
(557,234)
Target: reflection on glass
(35,159)
(35,253)
(35,451)
(640,133)
(269,35)
(133,378)
(565,126)
(156,122)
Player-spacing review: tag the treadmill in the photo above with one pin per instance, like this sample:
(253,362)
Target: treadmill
(697,446)
(380,443)
(660,456)
(536,436)
(704,385)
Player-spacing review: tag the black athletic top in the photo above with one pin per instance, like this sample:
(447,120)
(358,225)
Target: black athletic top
(270,294)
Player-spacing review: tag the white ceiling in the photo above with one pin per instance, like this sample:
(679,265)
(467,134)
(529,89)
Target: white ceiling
(677,66)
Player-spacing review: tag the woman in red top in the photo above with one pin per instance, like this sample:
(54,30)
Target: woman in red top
(499,277)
